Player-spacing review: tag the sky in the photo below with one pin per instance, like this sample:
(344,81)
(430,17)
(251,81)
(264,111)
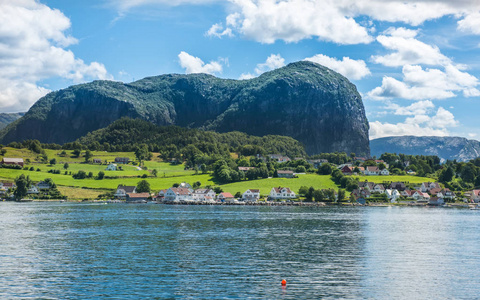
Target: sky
(415,63)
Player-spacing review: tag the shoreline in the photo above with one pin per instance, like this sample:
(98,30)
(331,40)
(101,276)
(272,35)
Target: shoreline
(260,203)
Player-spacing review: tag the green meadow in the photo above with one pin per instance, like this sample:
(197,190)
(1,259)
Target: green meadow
(167,175)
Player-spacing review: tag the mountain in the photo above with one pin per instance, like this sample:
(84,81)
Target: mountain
(447,147)
(7,118)
(306,101)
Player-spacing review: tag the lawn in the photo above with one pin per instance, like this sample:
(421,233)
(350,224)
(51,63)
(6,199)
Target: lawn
(265,185)
(79,193)
(393,178)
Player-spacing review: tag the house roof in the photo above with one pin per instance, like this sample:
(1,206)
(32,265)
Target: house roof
(138,195)
(254,190)
(279,189)
(284,172)
(126,188)
(372,169)
(13,160)
(225,195)
(181,191)
(245,168)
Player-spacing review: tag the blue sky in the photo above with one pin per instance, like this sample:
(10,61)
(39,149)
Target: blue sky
(416,63)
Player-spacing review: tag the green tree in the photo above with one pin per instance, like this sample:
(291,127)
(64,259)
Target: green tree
(325,169)
(319,196)
(22,183)
(154,172)
(341,195)
(88,155)
(238,195)
(196,184)
(143,186)
(76,152)
(142,153)
(100,175)
(65,166)
(53,161)
(303,190)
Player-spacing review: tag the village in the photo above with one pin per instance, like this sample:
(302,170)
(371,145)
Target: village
(367,192)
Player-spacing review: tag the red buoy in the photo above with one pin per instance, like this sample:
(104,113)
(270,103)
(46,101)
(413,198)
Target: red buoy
(284,282)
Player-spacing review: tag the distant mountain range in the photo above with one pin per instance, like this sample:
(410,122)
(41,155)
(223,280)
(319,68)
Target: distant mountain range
(7,118)
(447,148)
(303,100)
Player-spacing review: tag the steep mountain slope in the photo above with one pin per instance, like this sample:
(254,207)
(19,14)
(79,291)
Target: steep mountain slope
(7,118)
(450,148)
(303,100)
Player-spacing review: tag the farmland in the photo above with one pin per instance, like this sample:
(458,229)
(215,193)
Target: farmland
(167,175)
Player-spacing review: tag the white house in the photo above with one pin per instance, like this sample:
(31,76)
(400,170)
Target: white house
(251,195)
(393,195)
(420,196)
(427,186)
(178,194)
(123,190)
(204,195)
(475,196)
(282,193)
(32,190)
(385,172)
(379,188)
(372,170)
(42,185)
(111,167)
(186,186)
(436,201)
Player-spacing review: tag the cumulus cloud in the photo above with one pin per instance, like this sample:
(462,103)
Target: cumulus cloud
(420,124)
(266,21)
(417,108)
(407,50)
(274,61)
(193,64)
(33,48)
(350,68)
(470,24)
(217,31)
(419,84)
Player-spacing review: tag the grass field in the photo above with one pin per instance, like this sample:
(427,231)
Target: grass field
(167,175)
(265,185)
(392,178)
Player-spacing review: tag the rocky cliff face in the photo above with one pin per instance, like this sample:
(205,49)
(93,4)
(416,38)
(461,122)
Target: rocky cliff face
(447,148)
(303,100)
(7,118)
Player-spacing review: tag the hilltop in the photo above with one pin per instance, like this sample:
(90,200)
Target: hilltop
(306,101)
(447,148)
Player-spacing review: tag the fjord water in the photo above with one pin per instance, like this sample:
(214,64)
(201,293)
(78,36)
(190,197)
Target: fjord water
(92,251)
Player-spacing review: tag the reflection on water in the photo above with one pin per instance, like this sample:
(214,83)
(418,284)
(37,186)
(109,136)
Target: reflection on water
(65,250)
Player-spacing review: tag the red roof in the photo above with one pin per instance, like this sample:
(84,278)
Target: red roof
(138,195)
(226,195)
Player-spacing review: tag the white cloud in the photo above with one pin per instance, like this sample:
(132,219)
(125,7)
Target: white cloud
(407,50)
(274,61)
(417,108)
(193,64)
(217,31)
(471,23)
(418,125)
(419,84)
(472,135)
(32,48)
(350,68)
(125,5)
(267,21)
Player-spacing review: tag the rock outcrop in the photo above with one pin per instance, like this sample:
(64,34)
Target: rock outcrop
(303,100)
